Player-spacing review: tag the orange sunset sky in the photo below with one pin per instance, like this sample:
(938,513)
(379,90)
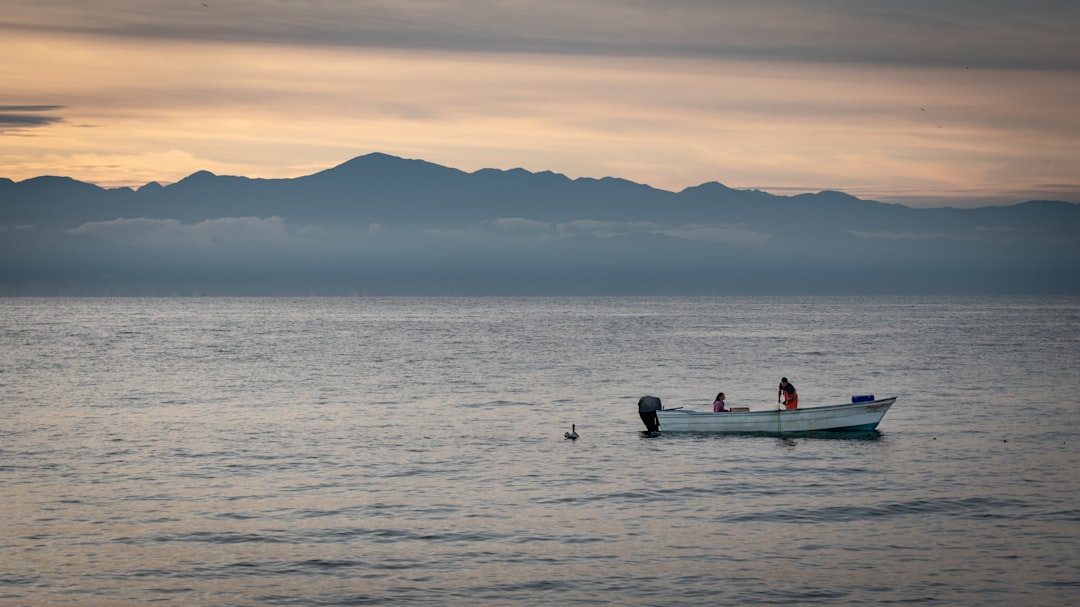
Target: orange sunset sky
(924,103)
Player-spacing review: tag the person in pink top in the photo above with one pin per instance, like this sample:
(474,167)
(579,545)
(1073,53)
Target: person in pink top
(718,404)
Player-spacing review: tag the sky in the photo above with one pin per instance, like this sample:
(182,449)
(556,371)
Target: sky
(925,103)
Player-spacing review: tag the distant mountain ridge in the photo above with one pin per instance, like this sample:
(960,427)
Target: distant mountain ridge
(380,187)
(377,212)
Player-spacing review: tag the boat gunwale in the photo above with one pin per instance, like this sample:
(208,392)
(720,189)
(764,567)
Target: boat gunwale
(881,402)
(843,418)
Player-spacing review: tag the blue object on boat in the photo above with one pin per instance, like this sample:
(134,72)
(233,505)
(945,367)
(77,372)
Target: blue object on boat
(862,398)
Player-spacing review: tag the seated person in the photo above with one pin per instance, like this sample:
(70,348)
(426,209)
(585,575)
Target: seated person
(718,404)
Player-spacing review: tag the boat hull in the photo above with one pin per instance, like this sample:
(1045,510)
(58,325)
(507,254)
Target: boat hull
(848,417)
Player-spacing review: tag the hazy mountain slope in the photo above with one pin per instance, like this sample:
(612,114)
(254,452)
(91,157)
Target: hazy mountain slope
(382,224)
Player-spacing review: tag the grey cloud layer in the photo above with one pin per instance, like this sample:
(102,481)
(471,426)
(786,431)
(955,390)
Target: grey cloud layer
(162,234)
(21,116)
(1039,34)
(169,233)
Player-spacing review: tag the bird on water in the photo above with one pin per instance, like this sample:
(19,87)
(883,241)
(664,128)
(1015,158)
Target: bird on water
(572,434)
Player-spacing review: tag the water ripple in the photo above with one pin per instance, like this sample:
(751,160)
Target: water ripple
(369,451)
(973,507)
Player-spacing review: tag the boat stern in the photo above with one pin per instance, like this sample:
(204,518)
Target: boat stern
(647,408)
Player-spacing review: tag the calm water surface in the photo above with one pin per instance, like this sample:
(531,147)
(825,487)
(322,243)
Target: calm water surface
(368,451)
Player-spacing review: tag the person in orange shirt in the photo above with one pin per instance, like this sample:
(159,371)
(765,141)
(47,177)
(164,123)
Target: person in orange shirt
(787,395)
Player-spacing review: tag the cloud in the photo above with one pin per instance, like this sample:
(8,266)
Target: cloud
(25,116)
(606,229)
(29,108)
(579,227)
(734,235)
(171,233)
(520,223)
(924,32)
(887,235)
(521,227)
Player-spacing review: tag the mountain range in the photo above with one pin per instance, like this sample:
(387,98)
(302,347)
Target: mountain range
(384,225)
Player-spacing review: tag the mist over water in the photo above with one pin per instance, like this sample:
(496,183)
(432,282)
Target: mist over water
(347,451)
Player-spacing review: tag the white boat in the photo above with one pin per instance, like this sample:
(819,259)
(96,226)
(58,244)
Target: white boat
(863,414)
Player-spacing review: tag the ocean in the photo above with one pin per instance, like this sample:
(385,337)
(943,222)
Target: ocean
(411,451)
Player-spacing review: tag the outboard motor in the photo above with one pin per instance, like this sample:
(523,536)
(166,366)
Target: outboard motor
(647,407)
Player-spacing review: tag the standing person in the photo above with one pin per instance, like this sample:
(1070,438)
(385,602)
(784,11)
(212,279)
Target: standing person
(718,404)
(787,395)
